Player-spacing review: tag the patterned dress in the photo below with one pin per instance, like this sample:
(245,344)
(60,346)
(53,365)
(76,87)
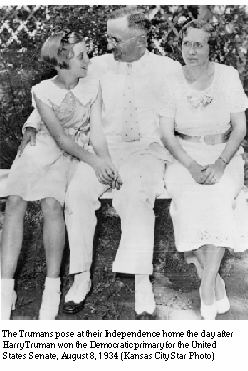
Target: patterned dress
(44,170)
(206,214)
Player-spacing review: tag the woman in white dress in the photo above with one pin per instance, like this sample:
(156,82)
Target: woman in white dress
(203,123)
(70,107)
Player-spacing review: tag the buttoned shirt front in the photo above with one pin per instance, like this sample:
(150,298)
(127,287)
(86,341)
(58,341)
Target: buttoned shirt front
(148,73)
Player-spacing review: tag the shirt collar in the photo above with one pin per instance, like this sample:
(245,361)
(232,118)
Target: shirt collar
(121,67)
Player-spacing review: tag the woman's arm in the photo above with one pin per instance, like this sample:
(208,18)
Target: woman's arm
(98,139)
(238,133)
(97,136)
(68,145)
(215,171)
(172,144)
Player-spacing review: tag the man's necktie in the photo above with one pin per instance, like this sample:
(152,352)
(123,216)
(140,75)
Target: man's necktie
(130,123)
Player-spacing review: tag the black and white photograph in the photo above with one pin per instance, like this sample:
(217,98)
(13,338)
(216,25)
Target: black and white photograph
(124,162)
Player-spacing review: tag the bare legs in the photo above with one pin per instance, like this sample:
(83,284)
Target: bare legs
(210,258)
(12,235)
(53,235)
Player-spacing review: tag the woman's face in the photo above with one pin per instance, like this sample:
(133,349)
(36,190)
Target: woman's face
(80,60)
(195,48)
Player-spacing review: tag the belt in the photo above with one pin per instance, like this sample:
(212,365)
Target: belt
(210,140)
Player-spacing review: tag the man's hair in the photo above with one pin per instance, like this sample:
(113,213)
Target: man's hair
(135,18)
(58,49)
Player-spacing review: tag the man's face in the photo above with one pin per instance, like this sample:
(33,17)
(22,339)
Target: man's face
(122,40)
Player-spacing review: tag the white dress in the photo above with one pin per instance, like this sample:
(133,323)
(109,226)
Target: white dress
(44,170)
(206,214)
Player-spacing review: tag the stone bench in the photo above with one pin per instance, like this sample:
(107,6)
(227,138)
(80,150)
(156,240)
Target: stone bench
(107,195)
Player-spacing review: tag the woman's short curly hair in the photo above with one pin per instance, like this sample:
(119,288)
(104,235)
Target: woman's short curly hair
(200,25)
(58,49)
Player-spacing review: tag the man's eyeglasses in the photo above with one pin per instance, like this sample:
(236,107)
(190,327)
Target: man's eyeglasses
(115,41)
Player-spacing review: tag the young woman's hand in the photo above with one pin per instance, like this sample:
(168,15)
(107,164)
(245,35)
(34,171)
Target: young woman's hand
(214,172)
(105,171)
(116,182)
(28,136)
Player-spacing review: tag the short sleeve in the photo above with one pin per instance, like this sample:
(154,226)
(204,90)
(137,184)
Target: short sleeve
(34,121)
(237,99)
(41,91)
(166,106)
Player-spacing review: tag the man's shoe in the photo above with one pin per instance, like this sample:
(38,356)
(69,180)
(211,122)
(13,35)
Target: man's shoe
(70,307)
(144,316)
(75,298)
(145,304)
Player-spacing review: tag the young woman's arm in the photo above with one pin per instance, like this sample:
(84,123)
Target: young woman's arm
(48,116)
(97,136)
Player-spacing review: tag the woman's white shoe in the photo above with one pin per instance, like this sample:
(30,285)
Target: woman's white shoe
(223,305)
(8,298)
(50,299)
(208,312)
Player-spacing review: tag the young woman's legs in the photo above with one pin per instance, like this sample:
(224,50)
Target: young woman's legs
(11,244)
(53,235)
(12,235)
(54,239)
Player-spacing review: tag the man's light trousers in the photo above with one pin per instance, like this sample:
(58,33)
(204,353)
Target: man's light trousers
(142,176)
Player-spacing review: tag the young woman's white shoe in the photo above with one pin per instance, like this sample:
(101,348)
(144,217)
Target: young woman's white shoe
(50,299)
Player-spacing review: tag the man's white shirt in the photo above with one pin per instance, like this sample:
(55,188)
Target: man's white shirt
(148,75)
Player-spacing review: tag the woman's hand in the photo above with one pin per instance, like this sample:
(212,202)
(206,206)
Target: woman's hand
(28,136)
(214,172)
(105,171)
(116,182)
(197,171)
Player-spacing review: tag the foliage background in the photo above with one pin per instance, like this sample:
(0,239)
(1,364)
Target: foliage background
(23,29)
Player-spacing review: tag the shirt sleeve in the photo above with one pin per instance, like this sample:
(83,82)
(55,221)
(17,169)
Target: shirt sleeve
(237,99)
(41,91)
(166,103)
(34,121)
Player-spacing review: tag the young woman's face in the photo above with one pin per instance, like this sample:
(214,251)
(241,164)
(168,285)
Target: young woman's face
(80,60)
(195,47)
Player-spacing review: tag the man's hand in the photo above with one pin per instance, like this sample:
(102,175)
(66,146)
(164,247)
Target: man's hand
(214,172)
(198,172)
(28,136)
